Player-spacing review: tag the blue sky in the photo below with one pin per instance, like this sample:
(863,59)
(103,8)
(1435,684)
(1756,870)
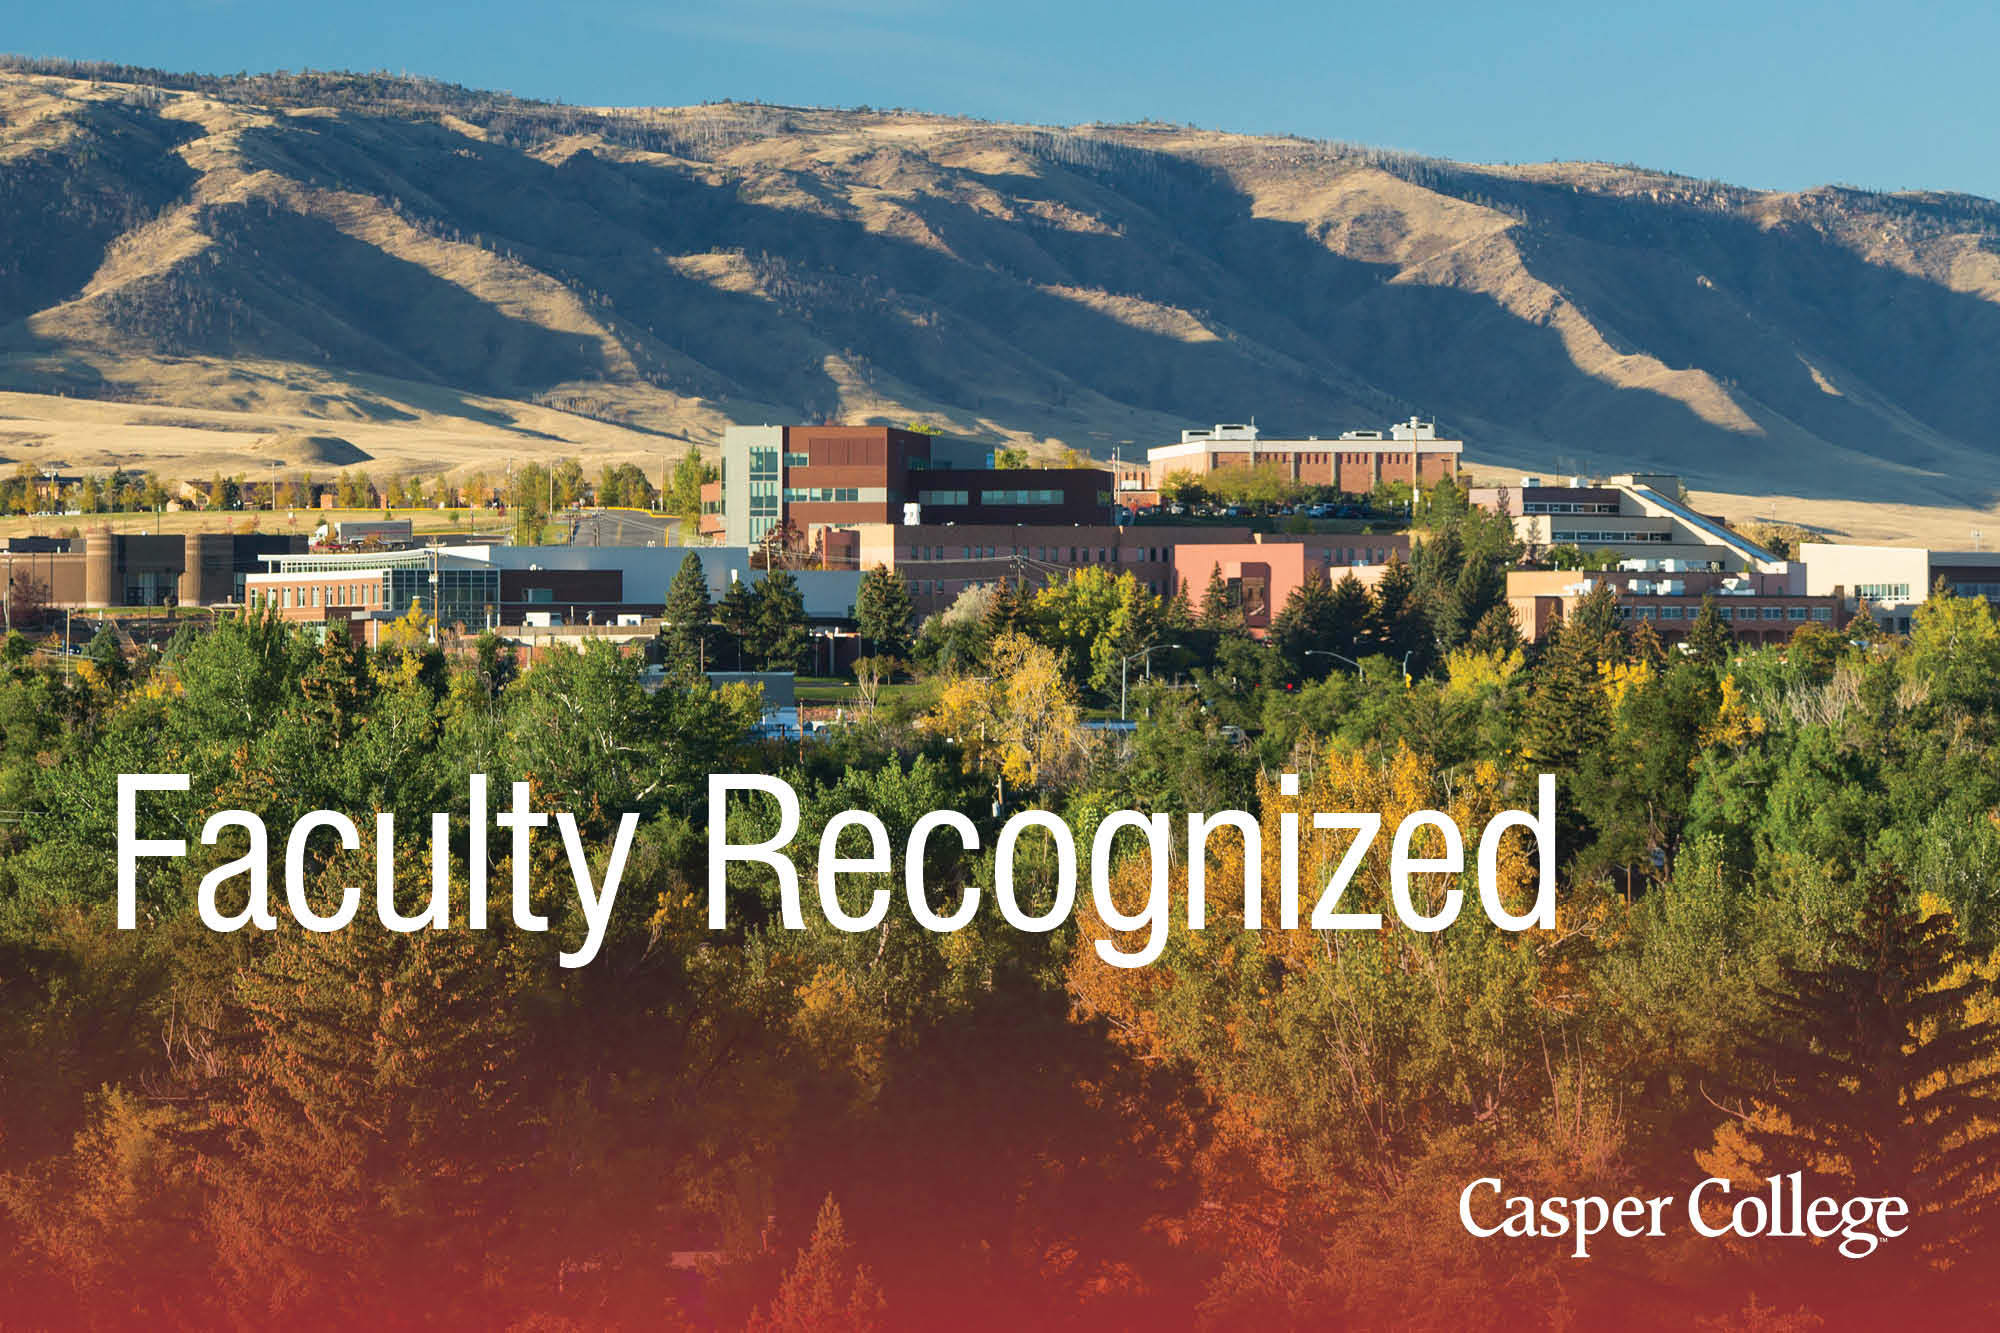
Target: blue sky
(1779,95)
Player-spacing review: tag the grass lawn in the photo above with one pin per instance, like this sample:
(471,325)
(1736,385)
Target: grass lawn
(841,690)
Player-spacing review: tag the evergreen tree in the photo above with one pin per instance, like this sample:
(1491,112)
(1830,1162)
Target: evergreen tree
(108,655)
(779,637)
(1398,626)
(1881,1062)
(1305,624)
(1566,720)
(1217,613)
(684,622)
(736,614)
(1647,647)
(1006,611)
(884,613)
(1709,640)
(1348,616)
(1177,616)
(1497,632)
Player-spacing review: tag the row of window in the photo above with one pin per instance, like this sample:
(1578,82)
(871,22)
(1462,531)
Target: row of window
(346,594)
(1570,507)
(1020,497)
(1631,612)
(1582,538)
(1883,592)
(845,495)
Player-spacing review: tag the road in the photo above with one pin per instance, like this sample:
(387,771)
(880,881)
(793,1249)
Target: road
(624,527)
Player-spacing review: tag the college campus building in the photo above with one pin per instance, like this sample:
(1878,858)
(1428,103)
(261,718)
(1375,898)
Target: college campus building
(1354,462)
(105,568)
(1757,608)
(1891,582)
(479,587)
(814,477)
(1638,515)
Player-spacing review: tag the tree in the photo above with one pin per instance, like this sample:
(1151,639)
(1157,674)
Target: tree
(684,619)
(1709,640)
(826,1291)
(108,655)
(1880,1065)
(1305,623)
(884,613)
(690,474)
(1018,724)
(779,637)
(1218,610)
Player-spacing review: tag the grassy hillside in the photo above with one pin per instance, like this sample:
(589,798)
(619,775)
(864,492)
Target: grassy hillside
(452,275)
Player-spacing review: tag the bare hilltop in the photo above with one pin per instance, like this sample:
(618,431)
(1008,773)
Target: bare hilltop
(202,273)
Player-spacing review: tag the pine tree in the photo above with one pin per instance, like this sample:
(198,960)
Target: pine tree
(779,637)
(1647,646)
(1217,613)
(1881,1063)
(1006,611)
(1305,623)
(1709,640)
(1177,616)
(826,1291)
(1497,632)
(736,614)
(1348,616)
(884,613)
(336,687)
(684,623)
(1398,626)
(1566,720)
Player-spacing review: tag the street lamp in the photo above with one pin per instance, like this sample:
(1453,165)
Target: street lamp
(1359,670)
(1147,654)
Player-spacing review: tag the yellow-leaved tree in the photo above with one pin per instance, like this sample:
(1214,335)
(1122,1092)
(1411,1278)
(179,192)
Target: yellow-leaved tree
(1018,725)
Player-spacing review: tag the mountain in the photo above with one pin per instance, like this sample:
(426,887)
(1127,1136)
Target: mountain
(375,254)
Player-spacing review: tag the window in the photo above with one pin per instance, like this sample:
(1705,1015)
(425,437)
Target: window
(1725,612)
(1795,613)
(1883,592)
(797,459)
(1673,613)
(1041,497)
(957,499)
(1774,613)
(1822,613)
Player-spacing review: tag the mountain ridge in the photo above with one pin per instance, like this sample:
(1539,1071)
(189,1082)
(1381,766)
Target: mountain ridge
(364,248)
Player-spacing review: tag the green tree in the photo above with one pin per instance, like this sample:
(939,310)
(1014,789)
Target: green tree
(690,474)
(884,613)
(1879,1065)
(1709,640)
(684,619)
(736,615)
(779,636)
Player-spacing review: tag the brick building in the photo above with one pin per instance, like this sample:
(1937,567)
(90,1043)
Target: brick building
(1354,462)
(1758,608)
(840,476)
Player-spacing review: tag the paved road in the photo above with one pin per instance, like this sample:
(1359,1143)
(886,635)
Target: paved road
(622,527)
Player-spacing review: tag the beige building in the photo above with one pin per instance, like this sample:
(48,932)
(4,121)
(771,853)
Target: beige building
(1638,515)
(1894,581)
(1354,462)
(1757,608)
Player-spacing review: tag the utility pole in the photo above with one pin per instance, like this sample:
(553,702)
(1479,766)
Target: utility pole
(1123,662)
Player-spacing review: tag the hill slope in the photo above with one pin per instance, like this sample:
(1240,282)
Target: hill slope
(377,255)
